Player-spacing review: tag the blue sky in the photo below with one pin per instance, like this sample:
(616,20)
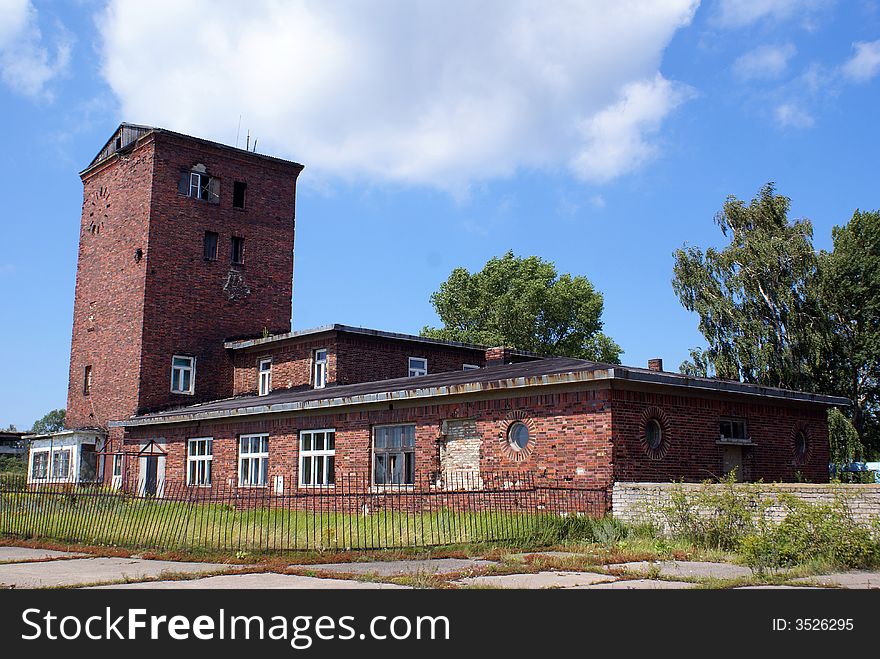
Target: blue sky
(598,135)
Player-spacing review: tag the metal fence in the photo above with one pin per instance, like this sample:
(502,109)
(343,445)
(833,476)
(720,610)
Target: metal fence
(352,514)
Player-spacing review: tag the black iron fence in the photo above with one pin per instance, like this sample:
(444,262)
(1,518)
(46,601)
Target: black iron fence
(351,514)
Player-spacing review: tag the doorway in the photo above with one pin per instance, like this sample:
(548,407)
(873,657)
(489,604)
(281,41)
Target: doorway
(732,459)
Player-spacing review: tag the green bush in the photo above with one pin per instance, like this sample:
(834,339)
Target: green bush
(826,532)
(713,517)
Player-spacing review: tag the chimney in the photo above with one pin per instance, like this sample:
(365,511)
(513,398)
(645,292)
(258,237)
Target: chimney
(655,364)
(498,355)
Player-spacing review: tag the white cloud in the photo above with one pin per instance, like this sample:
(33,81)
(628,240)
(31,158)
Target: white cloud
(740,13)
(764,62)
(441,94)
(790,115)
(26,65)
(865,63)
(615,139)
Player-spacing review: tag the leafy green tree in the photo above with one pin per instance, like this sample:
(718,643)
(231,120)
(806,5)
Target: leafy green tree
(523,302)
(52,422)
(850,294)
(756,297)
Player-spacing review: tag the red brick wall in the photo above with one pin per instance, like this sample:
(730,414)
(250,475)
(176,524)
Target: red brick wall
(188,311)
(291,364)
(351,358)
(365,358)
(692,428)
(108,305)
(569,431)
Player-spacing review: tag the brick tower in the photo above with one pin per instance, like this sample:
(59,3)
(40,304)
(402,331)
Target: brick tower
(183,243)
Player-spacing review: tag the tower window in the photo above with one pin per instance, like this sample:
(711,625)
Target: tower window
(239,188)
(87,380)
(196,183)
(211,239)
(237,249)
(183,374)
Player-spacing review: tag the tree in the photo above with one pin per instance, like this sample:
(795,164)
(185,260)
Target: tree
(52,422)
(523,302)
(756,297)
(849,284)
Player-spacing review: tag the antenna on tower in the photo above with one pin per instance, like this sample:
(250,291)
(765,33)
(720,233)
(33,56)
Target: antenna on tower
(248,147)
(255,145)
(238,132)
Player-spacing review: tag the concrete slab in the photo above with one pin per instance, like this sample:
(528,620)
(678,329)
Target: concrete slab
(679,569)
(538,580)
(640,584)
(20,554)
(396,568)
(78,571)
(854,579)
(268,580)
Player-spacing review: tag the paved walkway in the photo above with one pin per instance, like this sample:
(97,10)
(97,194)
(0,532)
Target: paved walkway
(22,567)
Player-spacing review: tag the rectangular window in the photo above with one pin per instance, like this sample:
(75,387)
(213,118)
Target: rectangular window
(61,465)
(87,381)
(211,241)
(418,366)
(394,456)
(470,367)
(265,375)
(239,188)
(40,470)
(183,374)
(118,464)
(317,458)
(237,250)
(199,185)
(200,455)
(733,429)
(253,460)
(319,369)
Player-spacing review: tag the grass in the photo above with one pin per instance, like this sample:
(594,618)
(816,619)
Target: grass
(129,522)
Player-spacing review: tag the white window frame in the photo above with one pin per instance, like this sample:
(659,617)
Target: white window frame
(118,461)
(402,450)
(192,374)
(47,473)
(323,458)
(319,368)
(264,377)
(469,367)
(205,460)
(417,371)
(195,183)
(52,475)
(253,458)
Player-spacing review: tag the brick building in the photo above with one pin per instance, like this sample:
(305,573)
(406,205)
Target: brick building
(184,366)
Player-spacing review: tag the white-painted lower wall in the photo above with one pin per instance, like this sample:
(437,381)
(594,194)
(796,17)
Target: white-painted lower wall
(639,502)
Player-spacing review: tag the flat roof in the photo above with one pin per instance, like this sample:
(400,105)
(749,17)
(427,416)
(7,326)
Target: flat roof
(539,373)
(240,344)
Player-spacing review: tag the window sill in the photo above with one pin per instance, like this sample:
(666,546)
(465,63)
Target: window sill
(183,393)
(305,486)
(730,441)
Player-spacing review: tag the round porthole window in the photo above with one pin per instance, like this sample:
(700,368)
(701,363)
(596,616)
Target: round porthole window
(518,435)
(653,434)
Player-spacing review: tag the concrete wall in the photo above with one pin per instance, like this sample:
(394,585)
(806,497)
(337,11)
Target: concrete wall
(637,502)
